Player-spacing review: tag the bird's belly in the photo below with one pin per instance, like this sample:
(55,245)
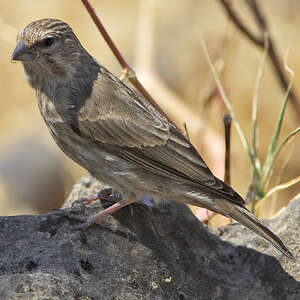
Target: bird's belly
(103,163)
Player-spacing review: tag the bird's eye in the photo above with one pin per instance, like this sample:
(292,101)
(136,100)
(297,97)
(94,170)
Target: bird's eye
(47,42)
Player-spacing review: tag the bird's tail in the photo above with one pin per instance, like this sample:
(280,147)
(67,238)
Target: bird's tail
(246,218)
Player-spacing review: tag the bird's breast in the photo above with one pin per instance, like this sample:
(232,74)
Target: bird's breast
(61,132)
(47,108)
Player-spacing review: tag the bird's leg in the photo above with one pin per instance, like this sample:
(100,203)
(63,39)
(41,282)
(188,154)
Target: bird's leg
(100,217)
(108,195)
(104,194)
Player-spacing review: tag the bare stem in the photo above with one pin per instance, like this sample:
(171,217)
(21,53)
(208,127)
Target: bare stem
(227,125)
(105,35)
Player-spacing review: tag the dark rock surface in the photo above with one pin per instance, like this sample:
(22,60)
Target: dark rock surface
(164,254)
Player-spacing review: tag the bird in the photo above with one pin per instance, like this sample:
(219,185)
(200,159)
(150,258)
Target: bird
(112,131)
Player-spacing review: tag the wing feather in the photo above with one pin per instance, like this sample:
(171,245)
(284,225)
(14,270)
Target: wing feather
(141,134)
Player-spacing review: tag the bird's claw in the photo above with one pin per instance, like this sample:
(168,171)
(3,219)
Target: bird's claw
(104,194)
(88,220)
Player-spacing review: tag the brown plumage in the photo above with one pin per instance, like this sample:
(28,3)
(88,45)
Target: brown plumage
(113,132)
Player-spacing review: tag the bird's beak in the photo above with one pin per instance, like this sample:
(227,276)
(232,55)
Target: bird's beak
(22,52)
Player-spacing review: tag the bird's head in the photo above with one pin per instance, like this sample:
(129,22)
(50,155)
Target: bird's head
(48,48)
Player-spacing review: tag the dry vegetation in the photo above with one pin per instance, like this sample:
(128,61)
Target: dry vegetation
(161,40)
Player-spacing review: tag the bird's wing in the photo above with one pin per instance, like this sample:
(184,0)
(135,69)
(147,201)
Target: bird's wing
(116,115)
(113,115)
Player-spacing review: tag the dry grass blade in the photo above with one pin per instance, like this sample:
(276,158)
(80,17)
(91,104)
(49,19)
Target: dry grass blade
(281,186)
(228,105)
(254,138)
(274,150)
(255,181)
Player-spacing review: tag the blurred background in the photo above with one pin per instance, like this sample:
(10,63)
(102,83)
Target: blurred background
(161,41)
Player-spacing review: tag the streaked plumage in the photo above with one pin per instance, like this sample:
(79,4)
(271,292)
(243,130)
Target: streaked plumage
(114,133)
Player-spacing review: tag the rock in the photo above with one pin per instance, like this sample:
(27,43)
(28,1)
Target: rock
(164,254)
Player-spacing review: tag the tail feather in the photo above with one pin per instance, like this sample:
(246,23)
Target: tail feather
(236,210)
(246,218)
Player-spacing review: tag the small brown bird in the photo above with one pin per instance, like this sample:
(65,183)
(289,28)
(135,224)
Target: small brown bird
(115,133)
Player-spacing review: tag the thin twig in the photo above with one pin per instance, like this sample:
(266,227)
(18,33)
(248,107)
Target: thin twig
(259,41)
(105,35)
(239,23)
(128,72)
(260,19)
(227,125)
